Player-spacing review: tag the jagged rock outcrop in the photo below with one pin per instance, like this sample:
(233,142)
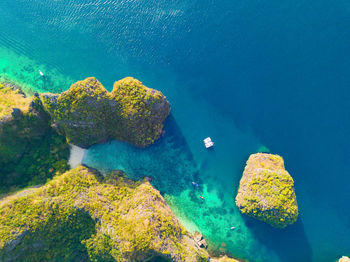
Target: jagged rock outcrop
(266,191)
(87,113)
(83,216)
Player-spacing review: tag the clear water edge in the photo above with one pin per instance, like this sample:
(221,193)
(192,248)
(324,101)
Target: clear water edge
(200,108)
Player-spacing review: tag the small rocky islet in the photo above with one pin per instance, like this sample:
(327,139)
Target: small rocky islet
(266,191)
(83,214)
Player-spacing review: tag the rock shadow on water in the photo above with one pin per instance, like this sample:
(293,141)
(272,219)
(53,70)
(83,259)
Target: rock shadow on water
(168,164)
(290,243)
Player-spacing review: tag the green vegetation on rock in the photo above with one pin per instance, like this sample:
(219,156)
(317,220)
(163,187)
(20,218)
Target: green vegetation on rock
(87,113)
(266,191)
(41,160)
(142,109)
(83,216)
(11,98)
(84,114)
(20,121)
(30,152)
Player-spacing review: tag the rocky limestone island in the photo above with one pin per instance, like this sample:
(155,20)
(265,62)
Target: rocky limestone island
(84,216)
(87,113)
(344,259)
(266,191)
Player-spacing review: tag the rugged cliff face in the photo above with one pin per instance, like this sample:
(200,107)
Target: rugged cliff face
(142,110)
(266,191)
(83,216)
(87,113)
(28,146)
(21,119)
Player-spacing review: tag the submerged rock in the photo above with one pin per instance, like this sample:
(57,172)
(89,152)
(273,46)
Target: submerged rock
(84,216)
(266,191)
(87,113)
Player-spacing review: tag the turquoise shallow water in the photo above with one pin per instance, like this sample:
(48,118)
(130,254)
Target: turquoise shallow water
(248,74)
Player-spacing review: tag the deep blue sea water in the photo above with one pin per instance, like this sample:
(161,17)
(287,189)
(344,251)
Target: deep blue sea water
(254,75)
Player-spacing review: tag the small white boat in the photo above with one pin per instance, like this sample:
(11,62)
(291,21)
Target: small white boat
(208,143)
(41,73)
